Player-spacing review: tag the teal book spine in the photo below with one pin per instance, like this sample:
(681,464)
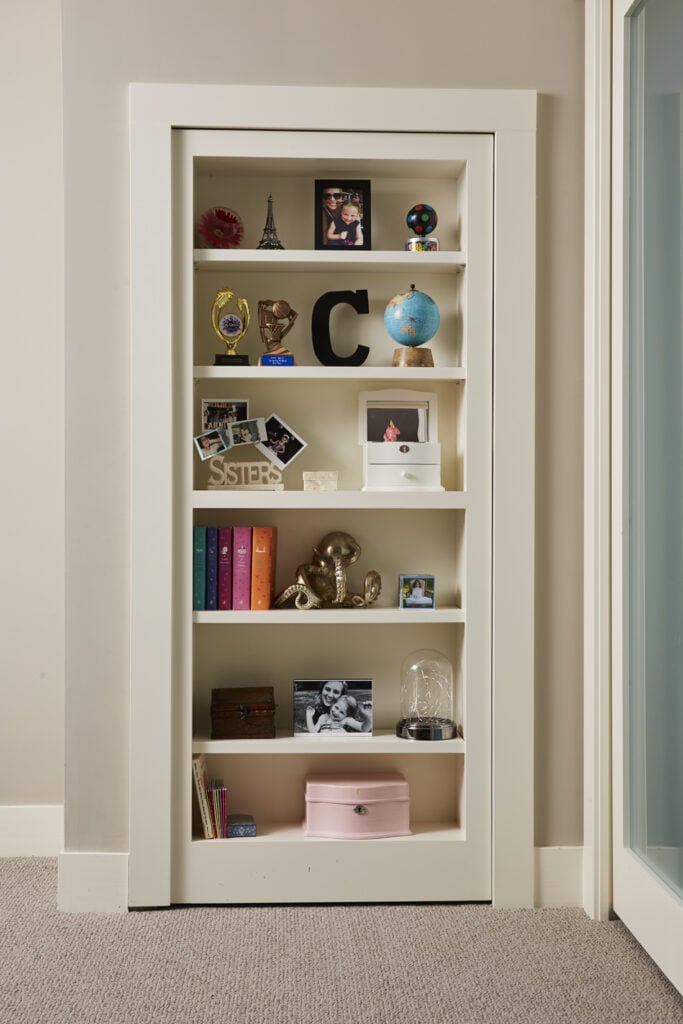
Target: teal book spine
(211,568)
(199,569)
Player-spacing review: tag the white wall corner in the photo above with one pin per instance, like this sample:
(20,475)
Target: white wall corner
(31,830)
(558,876)
(94,883)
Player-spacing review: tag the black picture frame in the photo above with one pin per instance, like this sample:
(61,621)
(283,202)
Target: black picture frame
(313,700)
(343,191)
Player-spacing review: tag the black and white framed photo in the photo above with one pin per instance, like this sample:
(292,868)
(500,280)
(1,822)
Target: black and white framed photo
(397,415)
(219,413)
(417,591)
(212,442)
(332,707)
(342,214)
(247,431)
(281,444)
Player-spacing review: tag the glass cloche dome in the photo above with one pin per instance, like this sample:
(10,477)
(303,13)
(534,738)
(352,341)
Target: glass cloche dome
(426,697)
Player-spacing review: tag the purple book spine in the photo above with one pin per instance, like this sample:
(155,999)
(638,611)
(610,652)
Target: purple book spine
(241,568)
(225,568)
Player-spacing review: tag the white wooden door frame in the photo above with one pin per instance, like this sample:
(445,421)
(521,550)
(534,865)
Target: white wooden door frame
(644,903)
(155,110)
(597,847)
(653,922)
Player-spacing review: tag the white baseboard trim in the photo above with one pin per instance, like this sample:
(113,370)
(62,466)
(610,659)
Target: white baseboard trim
(98,882)
(95,883)
(31,830)
(559,876)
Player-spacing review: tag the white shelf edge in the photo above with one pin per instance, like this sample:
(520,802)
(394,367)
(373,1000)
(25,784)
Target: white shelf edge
(286,832)
(332,616)
(382,741)
(232,498)
(420,374)
(379,261)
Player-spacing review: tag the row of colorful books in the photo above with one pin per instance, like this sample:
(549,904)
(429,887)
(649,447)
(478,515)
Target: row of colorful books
(212,797)
(234,568)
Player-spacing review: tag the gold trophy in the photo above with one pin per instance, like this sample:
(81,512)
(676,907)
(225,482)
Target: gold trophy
(230,325)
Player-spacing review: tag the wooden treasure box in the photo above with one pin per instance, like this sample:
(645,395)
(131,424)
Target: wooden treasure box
(243,713)
(393,466)
(367,805)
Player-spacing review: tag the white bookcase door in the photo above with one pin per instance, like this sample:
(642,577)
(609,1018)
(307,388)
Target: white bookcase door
(448,856)
(475,818)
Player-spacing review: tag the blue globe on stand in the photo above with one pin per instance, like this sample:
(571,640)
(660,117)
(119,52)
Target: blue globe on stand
(411,319)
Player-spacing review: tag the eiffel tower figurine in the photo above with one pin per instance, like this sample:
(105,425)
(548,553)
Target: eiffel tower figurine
(269,239)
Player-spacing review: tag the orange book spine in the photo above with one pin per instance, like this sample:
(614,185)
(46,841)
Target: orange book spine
(263,552)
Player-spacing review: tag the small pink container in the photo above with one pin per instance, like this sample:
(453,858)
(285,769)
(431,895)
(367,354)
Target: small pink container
(368,805)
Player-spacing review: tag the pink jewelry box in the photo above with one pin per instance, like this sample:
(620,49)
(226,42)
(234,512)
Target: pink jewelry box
(367,805)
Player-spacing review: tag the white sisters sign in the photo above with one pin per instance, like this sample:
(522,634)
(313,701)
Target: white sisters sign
(244,476)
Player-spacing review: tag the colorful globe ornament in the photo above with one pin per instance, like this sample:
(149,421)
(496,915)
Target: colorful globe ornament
(422,219)
(412,318)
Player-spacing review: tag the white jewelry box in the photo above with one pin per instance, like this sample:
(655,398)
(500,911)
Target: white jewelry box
(397,466)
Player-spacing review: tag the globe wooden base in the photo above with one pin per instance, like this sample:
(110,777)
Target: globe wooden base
(407,356)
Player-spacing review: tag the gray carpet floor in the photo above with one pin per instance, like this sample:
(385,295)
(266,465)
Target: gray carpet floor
(316,964)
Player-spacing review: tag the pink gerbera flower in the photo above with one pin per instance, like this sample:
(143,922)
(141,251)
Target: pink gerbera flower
(219,228)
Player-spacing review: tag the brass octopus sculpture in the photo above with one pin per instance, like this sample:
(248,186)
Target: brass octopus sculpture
(321,583)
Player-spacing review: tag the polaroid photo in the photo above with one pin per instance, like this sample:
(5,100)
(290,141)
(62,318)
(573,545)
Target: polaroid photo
(219,413)
(398,416)
(247,431)
(417,591)
(212,442)
(281,443)
(332,707)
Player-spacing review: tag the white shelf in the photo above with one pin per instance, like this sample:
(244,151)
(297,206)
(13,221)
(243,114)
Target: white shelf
(285,832)
(436,862)
(382,741)
(234,498)
(290,374)
(318,260)
(332,617)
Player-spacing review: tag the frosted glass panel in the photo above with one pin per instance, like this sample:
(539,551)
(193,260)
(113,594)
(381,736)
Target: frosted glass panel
(655,770)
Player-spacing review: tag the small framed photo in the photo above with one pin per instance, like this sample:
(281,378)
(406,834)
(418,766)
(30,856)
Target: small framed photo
(397,416)
(342,214)
(212,442)
(281,443)
(247,431)
(219,413)
(417,591)
(332,707)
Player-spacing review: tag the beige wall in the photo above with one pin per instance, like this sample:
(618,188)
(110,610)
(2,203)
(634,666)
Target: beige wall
(31,406)
(489,44)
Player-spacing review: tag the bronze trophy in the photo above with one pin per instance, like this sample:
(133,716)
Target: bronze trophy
(230,326)
(275,320)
